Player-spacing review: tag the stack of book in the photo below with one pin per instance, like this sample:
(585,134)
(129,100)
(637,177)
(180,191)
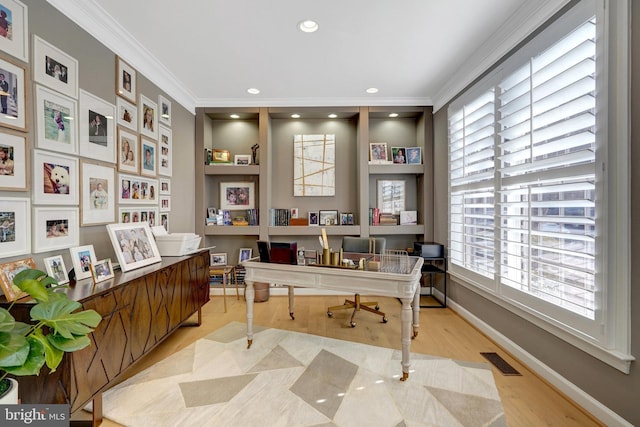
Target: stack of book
(388,219)
(279,217)
(252,216)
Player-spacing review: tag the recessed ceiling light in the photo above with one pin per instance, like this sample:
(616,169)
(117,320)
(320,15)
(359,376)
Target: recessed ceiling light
(308,26)
(333,116)
(295,116)
(393,115)
(372,90)
(234,116)
(253,91)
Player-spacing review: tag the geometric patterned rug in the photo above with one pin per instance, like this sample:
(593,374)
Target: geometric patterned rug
(295,379)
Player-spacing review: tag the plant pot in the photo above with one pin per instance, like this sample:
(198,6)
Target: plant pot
(10,397)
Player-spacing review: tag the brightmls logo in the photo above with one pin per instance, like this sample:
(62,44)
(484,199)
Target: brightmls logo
(34,415)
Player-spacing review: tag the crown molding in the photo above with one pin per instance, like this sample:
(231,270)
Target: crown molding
(92,18)
(521,24)
(312,102)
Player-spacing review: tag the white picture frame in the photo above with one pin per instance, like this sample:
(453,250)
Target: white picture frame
(244,255)
(134,245)
(15,226)
(55,268)
(164,106)
(96,134)
(147,214)
(56,179)
(242,159)
(82,257)
(164,220)
(55,228)
(165,186)
(218,259)
(54,68)
(14,112)
(127,114)
(237,195)
(148,157)
(141,190)
(97,193)
(165,203)
(14,162)
(56,119)
(165,151)
(148,118)
(18,17)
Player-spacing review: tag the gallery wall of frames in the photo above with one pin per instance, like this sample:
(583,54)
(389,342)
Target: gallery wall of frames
(71,158)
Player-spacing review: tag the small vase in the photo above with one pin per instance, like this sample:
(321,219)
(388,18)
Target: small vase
(11,395)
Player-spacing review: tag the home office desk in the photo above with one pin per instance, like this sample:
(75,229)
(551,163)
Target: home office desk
(399,277)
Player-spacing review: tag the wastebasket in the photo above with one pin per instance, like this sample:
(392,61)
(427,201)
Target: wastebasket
(261,291)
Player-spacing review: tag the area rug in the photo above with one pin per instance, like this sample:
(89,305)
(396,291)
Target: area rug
(295,379)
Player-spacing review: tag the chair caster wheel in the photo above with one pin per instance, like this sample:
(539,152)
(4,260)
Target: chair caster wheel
(384,320)
(330,314)
(377,307)
(353,324)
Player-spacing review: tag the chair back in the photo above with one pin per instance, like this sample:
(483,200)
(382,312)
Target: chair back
(363,244)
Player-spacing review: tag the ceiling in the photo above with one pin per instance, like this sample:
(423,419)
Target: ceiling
(209,52)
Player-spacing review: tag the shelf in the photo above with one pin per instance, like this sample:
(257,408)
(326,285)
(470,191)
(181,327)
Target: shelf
(231,170)
(380,230)
(231,230)
(396,169)
(335,230)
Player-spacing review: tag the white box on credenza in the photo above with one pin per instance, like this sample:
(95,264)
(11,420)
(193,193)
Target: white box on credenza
(175,244)
(408,217)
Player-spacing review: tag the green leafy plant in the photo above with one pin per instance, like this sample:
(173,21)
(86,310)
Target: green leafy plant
(57,328)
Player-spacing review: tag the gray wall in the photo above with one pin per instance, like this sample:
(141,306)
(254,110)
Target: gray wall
(611,387)
(97,76)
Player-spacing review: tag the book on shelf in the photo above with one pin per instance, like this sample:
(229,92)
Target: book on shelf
(388,219)
(299,221)
(374,216)
(252,216)
(279,217)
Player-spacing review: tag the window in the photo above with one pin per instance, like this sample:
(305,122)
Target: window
(527,177)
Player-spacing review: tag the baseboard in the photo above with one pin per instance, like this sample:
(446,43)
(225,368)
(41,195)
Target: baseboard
(280,291)
(581,398)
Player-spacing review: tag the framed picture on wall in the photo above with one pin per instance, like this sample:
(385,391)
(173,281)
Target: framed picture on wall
(15,226)
(98,191)
(55,228)
(97,128)
(54,68)
(56,179)
(14,38)
(148,157)
(148,118)
(127,114)
(165,186)
(126,81)
(164,220)
(165,164)
(127,148)
(56,118)
(165,110)
(135,190)
(237,195)
(14,162)
(13,99)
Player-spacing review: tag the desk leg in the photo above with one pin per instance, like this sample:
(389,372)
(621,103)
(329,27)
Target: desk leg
(290,292)
(406,336)
(416,312)
(249,294)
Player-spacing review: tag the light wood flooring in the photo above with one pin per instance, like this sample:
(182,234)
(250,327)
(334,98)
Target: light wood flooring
(528,400)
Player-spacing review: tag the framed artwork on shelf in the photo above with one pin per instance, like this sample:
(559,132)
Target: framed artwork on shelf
(56,121)
(148,118)
(102,270)
(312,218)
(141,214)
(13,98)
(399,156)
(97,193)
(237,195)
(97,128)
(242,159)
(137,190)
(391,196)
(15,35)
(127,114)
(15,226)
(134,245)
(314,165)
(54,68)
(55,228)
(165,110)
(126,81)
(149,155)
(14,162)
(55,268)
(165,186)
(127,148)
(8,271)
(244,255)
(414,155)
(378,152)
(165,203)
(223,156)
(164,220)
(328,217)
(165,166)
(82,257)
(218,259)
(56,179)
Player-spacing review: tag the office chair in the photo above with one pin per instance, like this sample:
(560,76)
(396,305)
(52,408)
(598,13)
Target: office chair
(363,245)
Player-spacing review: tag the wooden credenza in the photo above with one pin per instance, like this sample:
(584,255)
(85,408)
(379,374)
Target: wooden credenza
(140,309)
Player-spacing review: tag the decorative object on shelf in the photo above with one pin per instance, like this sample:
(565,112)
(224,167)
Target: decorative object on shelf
(55,268)
(56,178)
(313,218)
(8,272)
(408,217)
(391,196)
(134,245)
(239,221)
(254,153)
(237,195)
(294,212)
(54,68)
(97,128)
(102,270)
(165,155)
(220,156)
(56,118)
(346,218)
(82,257)
(242,159)
(58,327)
(15,226)
(127,114)
(165,110)
(148,157)
(14,165)
(414,155)
(55,228)
(217,259)
(97,193)
(328,217)
(126,81)
(13,99)
(314,165)
(16,43)
(148,118)
(399,156)
(244,255)
(378,152)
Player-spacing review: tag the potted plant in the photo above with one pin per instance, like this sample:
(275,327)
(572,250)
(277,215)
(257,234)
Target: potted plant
(57,328)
